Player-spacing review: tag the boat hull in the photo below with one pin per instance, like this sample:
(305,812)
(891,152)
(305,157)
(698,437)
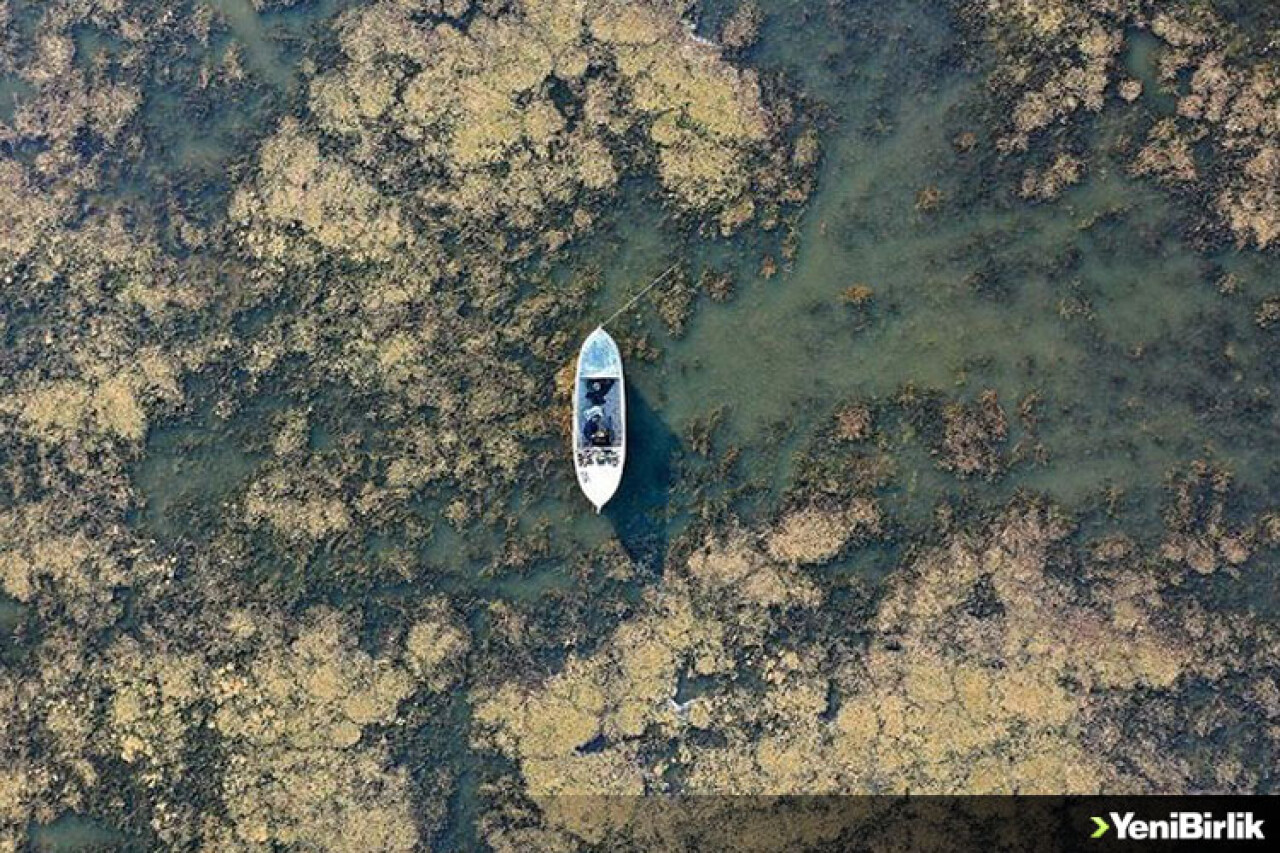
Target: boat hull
(599,418)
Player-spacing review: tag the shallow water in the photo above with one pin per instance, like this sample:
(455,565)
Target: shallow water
(1140,61)
(73,833)
(250,32)
(1091,302)
(11,613)
(1094,304)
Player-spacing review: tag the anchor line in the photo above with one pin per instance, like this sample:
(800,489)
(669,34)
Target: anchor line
(647,288)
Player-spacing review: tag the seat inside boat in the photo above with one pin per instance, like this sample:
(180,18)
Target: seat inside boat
(600,412)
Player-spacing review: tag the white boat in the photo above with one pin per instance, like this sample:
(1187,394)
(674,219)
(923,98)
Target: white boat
(599,418)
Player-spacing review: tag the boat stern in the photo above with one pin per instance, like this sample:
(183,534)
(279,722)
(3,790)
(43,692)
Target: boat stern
(599,483)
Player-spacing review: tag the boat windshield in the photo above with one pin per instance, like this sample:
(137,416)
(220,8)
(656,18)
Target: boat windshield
(600,356)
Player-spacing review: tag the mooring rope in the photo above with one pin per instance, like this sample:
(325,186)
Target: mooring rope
(650,286)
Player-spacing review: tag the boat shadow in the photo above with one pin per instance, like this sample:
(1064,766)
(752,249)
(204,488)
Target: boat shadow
(640,512)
